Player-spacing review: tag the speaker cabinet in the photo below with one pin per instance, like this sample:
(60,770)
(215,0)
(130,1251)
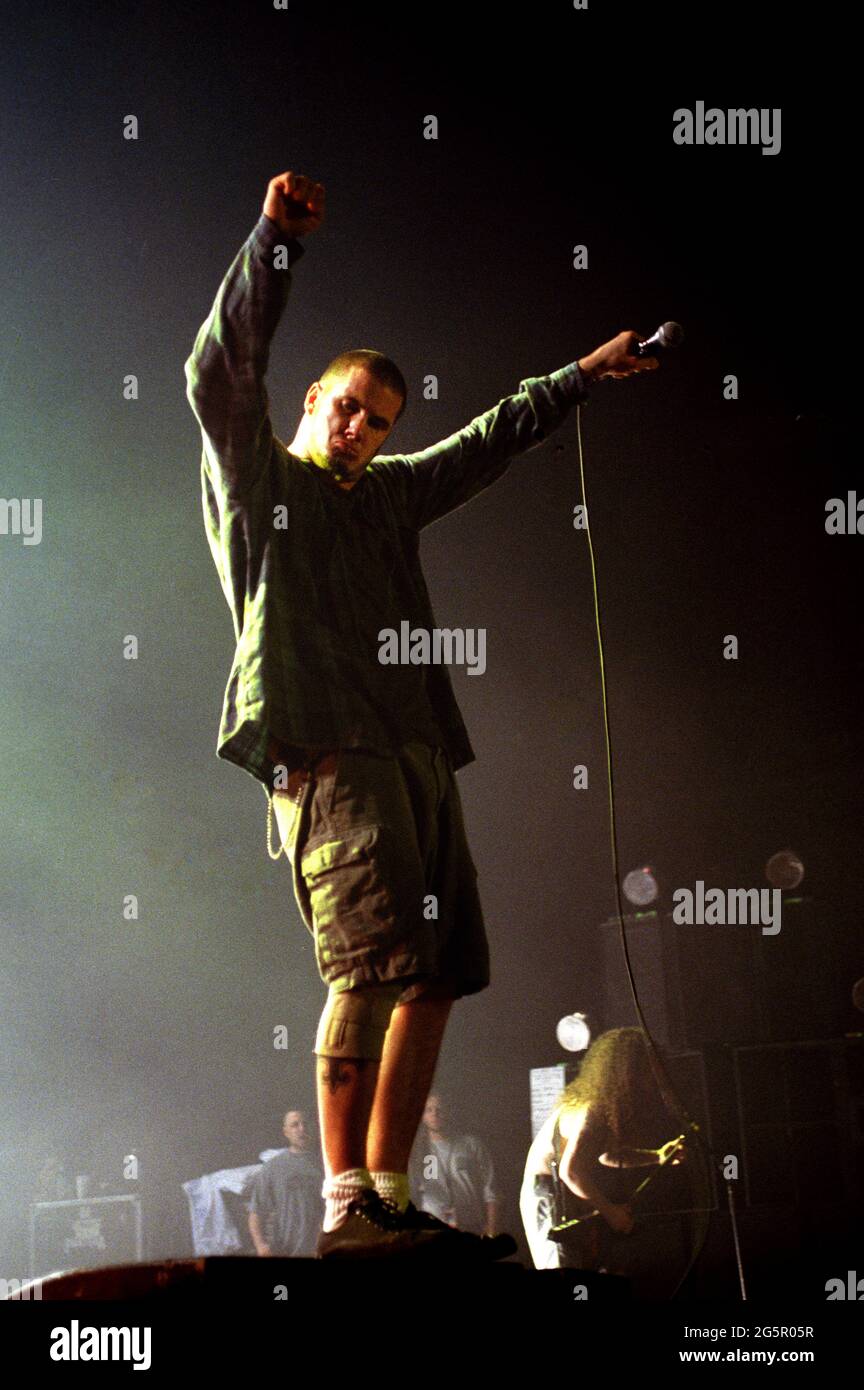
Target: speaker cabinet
(724,984)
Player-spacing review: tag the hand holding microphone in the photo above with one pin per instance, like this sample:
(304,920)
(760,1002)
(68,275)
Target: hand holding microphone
(627,354)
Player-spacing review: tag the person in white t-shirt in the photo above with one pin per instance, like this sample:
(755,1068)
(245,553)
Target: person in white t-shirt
(452,1174)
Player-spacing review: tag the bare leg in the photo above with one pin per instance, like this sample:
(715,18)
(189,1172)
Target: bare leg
(345,1086)
(406,1070)
(345,1092)
(369,1112)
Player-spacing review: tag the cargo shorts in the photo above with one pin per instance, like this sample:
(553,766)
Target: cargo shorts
(382,872)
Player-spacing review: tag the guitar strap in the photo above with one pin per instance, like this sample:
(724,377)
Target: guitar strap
(558,1190)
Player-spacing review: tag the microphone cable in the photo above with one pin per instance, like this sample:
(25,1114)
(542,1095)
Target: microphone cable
(667,1090)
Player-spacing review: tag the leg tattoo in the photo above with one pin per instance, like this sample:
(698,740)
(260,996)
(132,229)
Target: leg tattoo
(334,1070)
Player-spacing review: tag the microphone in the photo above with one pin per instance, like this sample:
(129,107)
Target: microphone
(668,335)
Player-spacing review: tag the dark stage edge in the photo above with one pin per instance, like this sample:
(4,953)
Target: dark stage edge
(312,1282)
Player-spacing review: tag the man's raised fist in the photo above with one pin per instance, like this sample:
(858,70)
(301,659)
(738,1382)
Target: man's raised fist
(295,203)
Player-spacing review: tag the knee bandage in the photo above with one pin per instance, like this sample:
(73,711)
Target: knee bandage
(355,1021)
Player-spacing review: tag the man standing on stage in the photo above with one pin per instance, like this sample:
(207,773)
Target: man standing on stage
(316,545)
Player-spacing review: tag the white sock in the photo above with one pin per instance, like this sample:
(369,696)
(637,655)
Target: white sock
(339,1191)
(393,1187)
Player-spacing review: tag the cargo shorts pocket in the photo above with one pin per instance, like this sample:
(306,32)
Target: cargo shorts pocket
(344,879)
(362,902)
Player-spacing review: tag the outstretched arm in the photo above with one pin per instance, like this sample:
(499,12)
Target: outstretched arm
(429,484)
(225,371)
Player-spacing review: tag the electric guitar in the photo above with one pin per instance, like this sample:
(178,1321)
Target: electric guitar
(588,1238)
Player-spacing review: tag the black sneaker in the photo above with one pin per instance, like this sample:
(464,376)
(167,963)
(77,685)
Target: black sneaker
(373,1227)
(461,1242)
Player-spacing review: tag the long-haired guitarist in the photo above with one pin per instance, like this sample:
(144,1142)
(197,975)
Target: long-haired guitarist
(581,1164)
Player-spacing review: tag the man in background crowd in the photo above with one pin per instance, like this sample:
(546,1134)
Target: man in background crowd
(286,1208)
(452,1174)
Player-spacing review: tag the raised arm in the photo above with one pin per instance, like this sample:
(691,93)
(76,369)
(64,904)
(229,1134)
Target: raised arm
(225,371)
(445,476)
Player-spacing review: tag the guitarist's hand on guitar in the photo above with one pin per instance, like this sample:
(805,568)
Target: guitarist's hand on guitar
(673,1152)
(620,1218)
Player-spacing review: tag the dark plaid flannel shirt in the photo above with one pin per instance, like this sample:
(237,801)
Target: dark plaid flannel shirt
(311,571)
